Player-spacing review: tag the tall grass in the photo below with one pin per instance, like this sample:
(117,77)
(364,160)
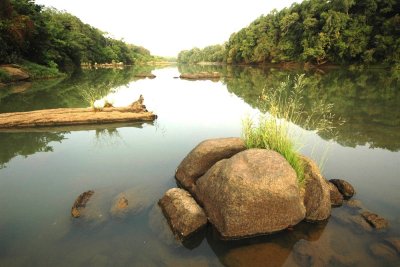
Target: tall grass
(283,108)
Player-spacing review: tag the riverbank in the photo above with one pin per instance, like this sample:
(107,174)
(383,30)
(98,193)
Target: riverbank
(27,71)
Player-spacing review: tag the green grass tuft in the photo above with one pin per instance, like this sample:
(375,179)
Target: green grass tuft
(271,133)
(283,108)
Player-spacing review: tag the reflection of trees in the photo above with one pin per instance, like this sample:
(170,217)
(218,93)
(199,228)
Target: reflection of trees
(367,100)
(25,144)
(68,92)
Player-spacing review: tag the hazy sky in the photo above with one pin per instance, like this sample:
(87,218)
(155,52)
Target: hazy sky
(166,27)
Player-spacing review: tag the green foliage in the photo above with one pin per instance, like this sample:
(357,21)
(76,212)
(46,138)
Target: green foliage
(37,71)
(213,53)
(47,36)
(317,32)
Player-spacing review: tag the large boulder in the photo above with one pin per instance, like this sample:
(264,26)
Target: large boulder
(203,156)
(184,215)
(254,192)
(317,197)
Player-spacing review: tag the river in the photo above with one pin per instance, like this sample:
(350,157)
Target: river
(43,171)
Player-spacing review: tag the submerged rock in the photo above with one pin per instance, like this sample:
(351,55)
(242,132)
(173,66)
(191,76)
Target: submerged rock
(119,206)
(383,251)
(254,192)
(184,215)
(335,196)
(345,188)
(375,220)
(317,197)
(80,203)
(355,204)
(203,156)
(394,243)
(133,201)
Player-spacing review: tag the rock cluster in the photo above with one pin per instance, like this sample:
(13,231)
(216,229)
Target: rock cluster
(249,192)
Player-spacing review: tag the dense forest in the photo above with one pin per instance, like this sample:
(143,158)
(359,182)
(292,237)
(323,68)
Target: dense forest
(57,39)
(314,31)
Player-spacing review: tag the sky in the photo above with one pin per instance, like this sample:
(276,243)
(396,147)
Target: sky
(166,27)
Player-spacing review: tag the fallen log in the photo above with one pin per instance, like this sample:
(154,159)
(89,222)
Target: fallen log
(136,112)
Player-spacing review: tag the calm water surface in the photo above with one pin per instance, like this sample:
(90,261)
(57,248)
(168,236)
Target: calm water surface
(43,171)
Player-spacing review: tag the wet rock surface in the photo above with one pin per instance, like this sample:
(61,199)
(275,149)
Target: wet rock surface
(345,188)
(80,203)
(317,197)
(203,156)
(254,192)
(184,215)
(375,220)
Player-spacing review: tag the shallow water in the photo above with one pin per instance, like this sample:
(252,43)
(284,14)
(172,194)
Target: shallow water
(42,172)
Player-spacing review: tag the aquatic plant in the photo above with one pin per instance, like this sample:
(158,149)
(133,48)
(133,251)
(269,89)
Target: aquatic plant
(283,108)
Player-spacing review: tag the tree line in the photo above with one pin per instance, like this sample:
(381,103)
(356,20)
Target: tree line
(314,31)
(56,38)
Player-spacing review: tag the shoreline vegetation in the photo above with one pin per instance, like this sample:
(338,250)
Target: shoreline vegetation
(313,34)
(47,43)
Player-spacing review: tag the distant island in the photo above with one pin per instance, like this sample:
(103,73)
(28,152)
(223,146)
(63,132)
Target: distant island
(339,32)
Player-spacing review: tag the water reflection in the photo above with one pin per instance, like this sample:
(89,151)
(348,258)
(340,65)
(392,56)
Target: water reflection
(26,142)
(37,229)
(68,92)
(367,100)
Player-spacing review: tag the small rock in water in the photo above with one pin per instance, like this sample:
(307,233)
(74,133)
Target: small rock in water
(335,195)
(375,220)
(80,203)
(345,188)
(120,206)
(122,203)
(184,215)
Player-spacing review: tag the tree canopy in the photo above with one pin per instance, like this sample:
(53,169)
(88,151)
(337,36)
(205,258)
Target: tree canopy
(48,36)
(318,32)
